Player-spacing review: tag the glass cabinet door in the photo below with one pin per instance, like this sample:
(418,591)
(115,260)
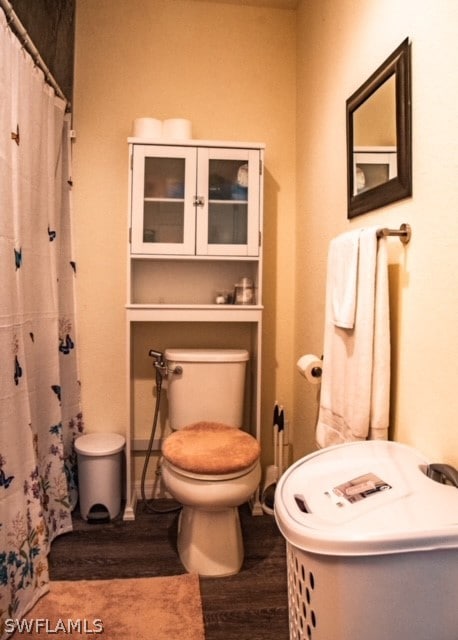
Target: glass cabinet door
(228,202)
(163,188)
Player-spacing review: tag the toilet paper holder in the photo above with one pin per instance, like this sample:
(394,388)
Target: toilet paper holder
(310,366)
(317,372)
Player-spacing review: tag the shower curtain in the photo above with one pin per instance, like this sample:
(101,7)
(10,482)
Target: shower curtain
(39,390)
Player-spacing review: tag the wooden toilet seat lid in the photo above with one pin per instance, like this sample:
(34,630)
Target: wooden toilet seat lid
(211,448)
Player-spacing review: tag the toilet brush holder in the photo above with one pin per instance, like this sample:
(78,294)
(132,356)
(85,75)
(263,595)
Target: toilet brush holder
(268,489)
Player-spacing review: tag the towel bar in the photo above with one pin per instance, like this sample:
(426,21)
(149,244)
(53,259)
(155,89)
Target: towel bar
(404,233)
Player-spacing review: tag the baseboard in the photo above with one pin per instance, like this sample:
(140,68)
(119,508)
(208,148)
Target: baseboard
(153,490)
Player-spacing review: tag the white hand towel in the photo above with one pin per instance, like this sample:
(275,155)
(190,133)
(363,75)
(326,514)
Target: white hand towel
(380,403)
(343,267)
(354,401)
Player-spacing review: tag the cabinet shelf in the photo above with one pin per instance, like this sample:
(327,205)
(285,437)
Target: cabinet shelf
(221,201)
(193,259)
(193,313)
(147,199)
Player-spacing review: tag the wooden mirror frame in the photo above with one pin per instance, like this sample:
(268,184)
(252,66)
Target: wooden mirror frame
(400,186)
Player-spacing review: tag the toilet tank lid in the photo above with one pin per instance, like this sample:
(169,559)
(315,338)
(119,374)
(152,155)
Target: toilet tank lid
(207,355)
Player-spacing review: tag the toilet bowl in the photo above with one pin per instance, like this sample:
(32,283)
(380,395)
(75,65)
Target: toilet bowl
(210,465)
(210,484)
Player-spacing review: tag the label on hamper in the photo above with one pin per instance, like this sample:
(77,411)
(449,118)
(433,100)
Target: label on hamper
(361,487)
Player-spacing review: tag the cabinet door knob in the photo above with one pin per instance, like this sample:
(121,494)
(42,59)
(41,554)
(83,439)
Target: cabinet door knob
(199,201)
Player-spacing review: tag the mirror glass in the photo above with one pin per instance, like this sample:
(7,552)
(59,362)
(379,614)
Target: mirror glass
(378,136)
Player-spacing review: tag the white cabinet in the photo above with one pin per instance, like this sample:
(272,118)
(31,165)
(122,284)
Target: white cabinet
(373,166)
(195,229)
(195,200)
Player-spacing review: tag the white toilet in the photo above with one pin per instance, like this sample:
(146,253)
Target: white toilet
(210,465)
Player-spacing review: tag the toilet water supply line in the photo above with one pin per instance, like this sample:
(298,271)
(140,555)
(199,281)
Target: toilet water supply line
(162,371)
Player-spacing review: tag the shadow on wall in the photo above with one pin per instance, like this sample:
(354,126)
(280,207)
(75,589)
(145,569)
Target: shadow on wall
(269,362)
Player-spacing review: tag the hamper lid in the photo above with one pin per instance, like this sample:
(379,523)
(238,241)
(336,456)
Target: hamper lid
(365,498)
(207,355)
(99,444)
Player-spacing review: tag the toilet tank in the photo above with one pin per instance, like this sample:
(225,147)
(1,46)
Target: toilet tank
(209,388)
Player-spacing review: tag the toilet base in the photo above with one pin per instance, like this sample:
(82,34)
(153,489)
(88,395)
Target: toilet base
(210,542)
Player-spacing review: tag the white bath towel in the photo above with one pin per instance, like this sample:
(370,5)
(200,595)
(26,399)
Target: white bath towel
(343,271)
(355,384)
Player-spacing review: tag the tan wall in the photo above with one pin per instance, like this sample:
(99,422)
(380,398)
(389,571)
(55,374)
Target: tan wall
(374,122)
(231,71)
(337,51)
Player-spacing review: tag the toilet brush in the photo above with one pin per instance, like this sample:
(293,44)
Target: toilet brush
(281,433)
(271,477)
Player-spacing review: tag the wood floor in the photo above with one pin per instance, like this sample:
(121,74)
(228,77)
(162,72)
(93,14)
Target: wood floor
(251,605)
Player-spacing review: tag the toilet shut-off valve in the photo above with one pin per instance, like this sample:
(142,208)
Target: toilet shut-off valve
(160,364)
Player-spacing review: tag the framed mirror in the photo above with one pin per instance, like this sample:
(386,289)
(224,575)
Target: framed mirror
(379,132)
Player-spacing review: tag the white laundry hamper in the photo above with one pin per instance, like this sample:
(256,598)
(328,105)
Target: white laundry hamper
(99,475)
(372,545)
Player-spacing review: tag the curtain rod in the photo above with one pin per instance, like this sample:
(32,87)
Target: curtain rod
(16,25)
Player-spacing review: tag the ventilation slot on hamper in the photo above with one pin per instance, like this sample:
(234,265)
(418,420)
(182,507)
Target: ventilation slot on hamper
(301,585)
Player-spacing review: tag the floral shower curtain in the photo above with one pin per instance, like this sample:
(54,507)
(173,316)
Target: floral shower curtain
(39,390)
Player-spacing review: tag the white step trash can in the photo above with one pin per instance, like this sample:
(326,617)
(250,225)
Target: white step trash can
(372,545)
(99,475)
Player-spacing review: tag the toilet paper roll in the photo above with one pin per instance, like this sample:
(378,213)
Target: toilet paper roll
(311,367)
(177,129)
(147,128)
